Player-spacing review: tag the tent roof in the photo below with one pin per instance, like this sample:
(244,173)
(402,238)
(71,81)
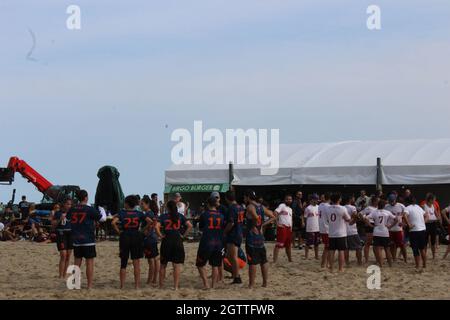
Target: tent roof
(348,162)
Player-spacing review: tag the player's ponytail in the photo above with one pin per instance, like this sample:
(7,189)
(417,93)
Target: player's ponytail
(173,211)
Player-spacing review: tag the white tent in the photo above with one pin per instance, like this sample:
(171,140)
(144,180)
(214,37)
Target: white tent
(404,162)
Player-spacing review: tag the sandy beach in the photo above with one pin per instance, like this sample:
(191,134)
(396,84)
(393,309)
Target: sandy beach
(29,271)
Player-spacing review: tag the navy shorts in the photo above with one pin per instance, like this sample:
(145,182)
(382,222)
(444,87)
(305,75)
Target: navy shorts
(256,256)
(86,252)
(151,250)
(64,240)
(214,257)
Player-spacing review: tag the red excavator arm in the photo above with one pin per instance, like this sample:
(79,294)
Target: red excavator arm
(20,166)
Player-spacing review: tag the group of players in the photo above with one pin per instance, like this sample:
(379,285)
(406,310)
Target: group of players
(139,230)
(332,220)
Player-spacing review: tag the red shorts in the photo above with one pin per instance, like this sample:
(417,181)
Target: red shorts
(396,238)
(325,240)
(284,237)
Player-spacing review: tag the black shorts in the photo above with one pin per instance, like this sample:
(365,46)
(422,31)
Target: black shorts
(151,250)
(417,241)
(381,241)
(87,252)
(64,240)
(339,244)
(172,250)
(296,224)
(432,232)
(256,256)
(131,245)
(214,257)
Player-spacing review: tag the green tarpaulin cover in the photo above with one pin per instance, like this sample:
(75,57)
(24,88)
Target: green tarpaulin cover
(109,192)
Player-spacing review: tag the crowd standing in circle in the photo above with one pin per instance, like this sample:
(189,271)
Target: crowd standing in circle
(155,231)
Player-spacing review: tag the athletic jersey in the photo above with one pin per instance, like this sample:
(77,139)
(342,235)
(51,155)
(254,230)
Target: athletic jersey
(352,229)
(63,223)
(211,224)
(255,237)
(367,211)
(24,207)
(236,215)
(284,217)
(335,217)
(131,221)
(82,220)
(323,224)
(416,217)
(151,236)
(382,218)
(312,218)
(172,229)
(397,210)
(431,212)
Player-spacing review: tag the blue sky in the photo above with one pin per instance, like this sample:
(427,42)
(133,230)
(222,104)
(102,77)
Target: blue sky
(104,94)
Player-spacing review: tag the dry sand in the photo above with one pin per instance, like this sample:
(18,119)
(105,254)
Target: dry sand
(29,271)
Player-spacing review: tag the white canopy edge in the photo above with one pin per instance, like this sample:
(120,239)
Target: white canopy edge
(404,162)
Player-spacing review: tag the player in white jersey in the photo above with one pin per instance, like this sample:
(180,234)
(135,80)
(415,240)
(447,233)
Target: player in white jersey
(396,232)
(383,220)
(415,218)
(368,228)
(337,218)
(284,228)
(446,216)
(323,228)
(312,226)
(353,239)
(434,219)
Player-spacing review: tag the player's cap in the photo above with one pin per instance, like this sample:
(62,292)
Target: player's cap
(177,195)
(215,194)
(392,197)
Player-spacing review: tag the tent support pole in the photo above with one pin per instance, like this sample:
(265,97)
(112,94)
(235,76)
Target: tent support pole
(230,176)
(379,175)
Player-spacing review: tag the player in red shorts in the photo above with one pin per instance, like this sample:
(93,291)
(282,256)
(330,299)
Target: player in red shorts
(396,232)
(284,228)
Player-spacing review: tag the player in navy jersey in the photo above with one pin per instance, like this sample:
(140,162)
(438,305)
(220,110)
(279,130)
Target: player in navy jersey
(64,241)
(172,228)
(150,240)
(131,241)
(210,247)
(254,241)
(82,220)
(233,233)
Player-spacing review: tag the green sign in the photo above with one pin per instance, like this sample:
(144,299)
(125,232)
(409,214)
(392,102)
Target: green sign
(203,187)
